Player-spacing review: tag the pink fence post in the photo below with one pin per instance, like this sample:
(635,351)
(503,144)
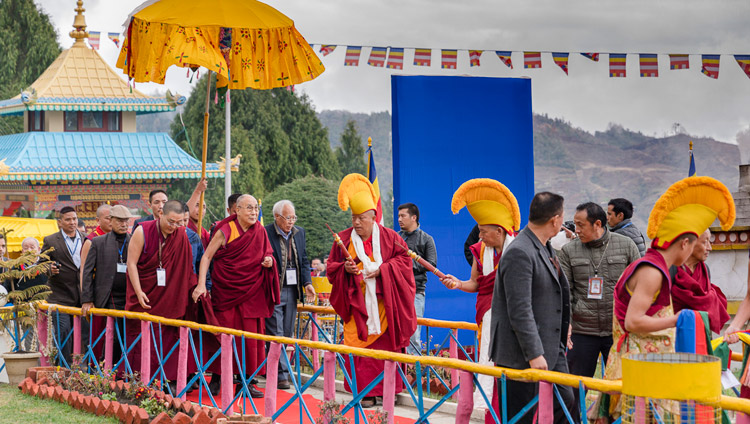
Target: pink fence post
(76,335)
(145,351)
(272,378)
(453,351)
(640,410)
(389,389)
(465,398)
(109,342)
(314,337)
(546,414)
(743,418)
(182,361)
(41,328)
(329,376)
(227,380)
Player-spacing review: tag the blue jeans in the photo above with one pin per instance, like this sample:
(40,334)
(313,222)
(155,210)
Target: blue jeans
(415,338)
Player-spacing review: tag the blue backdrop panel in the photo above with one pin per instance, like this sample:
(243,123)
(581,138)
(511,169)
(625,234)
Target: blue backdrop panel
(447,130)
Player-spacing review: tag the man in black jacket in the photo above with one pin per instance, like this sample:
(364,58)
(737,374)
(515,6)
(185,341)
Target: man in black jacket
(619,212)
(290,252)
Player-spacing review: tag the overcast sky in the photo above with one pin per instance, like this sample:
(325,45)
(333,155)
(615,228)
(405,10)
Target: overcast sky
(587,98)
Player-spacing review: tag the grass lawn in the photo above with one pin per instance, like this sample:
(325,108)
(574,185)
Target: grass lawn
(16,407)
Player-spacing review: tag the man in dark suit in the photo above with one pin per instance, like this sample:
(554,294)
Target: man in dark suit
(531,307)
(156,200)
(104,284)
(65,274)
(290,252)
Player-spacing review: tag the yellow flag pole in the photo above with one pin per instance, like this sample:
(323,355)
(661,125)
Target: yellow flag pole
(205,152)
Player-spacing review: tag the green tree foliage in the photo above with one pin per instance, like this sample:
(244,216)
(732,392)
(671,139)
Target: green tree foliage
(351,153)
(316,203)
(276,131)
(28,45)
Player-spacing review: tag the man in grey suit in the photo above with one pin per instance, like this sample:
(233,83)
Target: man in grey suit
(531,307)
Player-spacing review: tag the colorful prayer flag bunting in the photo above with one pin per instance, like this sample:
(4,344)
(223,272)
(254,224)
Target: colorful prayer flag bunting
(422,57)
(326,49)
(710,66)
(505,57)
(377,56)
(561,60)
(744,61)
(474,57)
(450,58)
(649,65)
(592,56)
(617,64)
(115,37)
(679,61)
(395,58)
(532,60)
(352,55)
(94,39)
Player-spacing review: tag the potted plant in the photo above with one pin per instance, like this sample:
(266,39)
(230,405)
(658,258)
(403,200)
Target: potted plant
(19,316)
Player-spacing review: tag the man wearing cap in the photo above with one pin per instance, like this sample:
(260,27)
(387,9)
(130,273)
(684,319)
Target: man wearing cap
(374,291)
(498,217)
(103,282)
(643,319)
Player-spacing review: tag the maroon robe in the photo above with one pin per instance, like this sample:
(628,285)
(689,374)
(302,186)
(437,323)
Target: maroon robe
(395,287)
(244,293)
(486,282)
(693,290)
(205,237)
(170,301)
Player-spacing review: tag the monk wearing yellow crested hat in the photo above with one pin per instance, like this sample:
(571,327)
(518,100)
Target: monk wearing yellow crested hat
(495,209)
(374,292)
(644,321)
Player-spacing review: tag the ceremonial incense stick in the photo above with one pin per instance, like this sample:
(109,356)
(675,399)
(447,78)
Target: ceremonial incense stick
(428,266)
(341,245)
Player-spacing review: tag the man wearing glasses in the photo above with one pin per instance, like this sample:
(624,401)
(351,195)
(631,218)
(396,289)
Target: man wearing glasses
(293,267)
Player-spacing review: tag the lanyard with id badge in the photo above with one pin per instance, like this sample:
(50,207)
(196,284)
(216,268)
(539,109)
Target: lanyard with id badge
(122,267)
(596,283)
(291,272)
(161,273)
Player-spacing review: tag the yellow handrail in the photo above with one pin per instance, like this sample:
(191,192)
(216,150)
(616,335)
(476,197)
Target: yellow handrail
(461,325)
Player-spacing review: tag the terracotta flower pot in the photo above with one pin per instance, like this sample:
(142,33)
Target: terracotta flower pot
(16,364)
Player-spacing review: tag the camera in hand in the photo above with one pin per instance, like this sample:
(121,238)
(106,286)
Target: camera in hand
(570,226)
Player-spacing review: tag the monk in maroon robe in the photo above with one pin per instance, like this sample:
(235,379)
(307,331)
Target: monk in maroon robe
(245,283)
(195,211)
(692,288)
(394,291)
(160,281)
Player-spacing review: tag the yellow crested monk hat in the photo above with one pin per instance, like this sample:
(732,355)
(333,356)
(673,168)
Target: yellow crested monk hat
(489,202)
(356,192)
(690,206)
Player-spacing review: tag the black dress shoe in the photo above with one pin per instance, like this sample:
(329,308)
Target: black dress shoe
(368,402)
(254,393)
(283,385)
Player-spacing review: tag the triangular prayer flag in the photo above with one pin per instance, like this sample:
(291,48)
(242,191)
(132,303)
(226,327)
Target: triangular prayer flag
(352,55)
(691,168)
(449,59)
(649,65)
(377,56)
(617,64)
(505,57)
(474,57)
(592,56)
(561,60)
(94,39)
(372,175)
(744,61)
(326,49)
(710,66)
(679,61)
(422,57)
(115,37)
(395,58)
(532,60)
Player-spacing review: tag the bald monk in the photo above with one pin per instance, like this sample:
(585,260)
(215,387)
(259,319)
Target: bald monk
(245,283)
(160,281)
(197,210)
(374,293)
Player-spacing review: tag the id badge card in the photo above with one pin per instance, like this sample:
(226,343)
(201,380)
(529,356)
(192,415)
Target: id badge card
(161,277)
(596,287)
(122,267)
(291,277)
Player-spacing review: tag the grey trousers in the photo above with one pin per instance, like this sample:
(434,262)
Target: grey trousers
(281,323)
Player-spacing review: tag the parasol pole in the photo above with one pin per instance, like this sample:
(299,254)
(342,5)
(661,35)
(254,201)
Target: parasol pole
(227,152)
(203,156)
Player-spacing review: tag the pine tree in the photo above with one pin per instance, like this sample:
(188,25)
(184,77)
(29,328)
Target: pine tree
(351,153)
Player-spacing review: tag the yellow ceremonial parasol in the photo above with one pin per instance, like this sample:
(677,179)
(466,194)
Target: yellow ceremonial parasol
(246,42)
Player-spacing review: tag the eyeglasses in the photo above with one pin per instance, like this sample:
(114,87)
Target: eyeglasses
(250,208)
(174,223)
(292,218)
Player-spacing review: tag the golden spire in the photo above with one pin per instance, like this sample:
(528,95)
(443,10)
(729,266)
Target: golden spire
(79,24)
